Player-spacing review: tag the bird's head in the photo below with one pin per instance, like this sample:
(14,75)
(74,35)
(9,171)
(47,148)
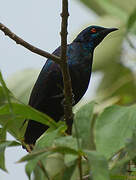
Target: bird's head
(93,35)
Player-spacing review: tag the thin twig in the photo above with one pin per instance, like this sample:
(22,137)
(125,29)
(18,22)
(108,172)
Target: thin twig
(28,148)
(34,49)
(80,167)
(43,169)
(68,114)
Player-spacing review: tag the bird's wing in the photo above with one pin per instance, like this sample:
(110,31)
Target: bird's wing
(47,84)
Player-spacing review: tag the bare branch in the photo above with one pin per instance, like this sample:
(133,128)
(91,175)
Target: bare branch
(68,114)
(34,49)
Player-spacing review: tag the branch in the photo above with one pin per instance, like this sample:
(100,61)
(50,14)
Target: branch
(80,167)
(34,49)
(68,114)
(29,149)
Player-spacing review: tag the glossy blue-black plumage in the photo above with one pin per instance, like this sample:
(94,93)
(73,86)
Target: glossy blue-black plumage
(47,94)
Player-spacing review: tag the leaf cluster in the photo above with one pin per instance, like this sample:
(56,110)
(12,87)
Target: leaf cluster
(101,144)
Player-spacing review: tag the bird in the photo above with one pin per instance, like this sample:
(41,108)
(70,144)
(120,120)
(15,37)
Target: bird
(47,94)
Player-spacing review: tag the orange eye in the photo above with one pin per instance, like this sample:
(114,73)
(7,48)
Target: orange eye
(93,30)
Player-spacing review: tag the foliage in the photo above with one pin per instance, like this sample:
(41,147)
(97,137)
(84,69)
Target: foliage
(102,143)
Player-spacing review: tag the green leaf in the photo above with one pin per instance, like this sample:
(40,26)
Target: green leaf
(64,150)
(70,142)
(131,19)
(33,163)
(98,165)
(2,161)
(113,127)
(84,125)
(2,149)
(38,174)
(48,138)
(3,134)
(129,152)
(34,155)
(68,172)
(22,112)
(6,92)
(13,125)
(4,144)
(30,166)
(54,166)
(5,120)
(28,112)
(60,149)
(2,96)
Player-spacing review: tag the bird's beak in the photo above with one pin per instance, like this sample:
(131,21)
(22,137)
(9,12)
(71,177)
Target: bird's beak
(106,31)
(103,33)
(111,29)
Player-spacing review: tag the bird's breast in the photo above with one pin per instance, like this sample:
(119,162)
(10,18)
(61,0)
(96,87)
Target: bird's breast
(80,77)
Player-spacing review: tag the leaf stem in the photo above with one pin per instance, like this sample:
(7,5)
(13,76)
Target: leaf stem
(29,149)
(43,169)
(80,167)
